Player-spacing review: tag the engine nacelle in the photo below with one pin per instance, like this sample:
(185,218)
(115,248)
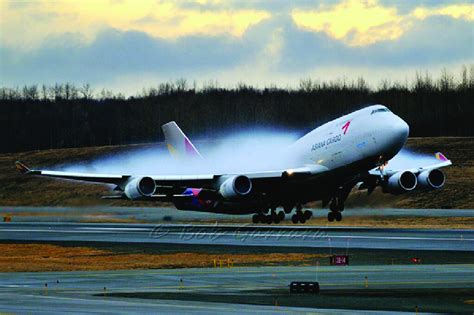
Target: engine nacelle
(235,187)
(139,187)
(401,182)
(429,180)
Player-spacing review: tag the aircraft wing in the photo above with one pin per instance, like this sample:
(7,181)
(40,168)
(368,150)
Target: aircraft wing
(443,162)
(206,181)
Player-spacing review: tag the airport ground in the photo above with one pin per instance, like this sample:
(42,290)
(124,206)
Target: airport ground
(101,267)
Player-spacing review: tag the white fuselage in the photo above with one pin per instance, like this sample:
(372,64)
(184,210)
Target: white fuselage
(369,132)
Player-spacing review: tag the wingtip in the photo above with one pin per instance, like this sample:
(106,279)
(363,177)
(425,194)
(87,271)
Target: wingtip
(22,168)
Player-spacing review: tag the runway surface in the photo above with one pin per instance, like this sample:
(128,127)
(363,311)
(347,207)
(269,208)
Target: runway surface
(159,214)
(84,291)
(244,235)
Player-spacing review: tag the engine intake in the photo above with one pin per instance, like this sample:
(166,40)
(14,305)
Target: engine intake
(139,187)
(430,180)
(401,182)
(236,186)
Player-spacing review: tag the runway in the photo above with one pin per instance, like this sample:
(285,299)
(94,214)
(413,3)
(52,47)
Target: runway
(177,290)
(161,214)
(244,235)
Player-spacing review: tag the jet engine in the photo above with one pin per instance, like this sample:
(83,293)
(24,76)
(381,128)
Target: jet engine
(139,187)
(433,179)
(400,182)
(235,186)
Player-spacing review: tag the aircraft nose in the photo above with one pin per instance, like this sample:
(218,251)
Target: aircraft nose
(400,131)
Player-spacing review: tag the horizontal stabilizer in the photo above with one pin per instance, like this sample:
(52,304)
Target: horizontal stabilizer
(440,156)
(22,167)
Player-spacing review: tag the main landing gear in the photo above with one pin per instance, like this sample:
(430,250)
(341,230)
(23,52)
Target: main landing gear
(273,217)
(276,217)
(336,206)
(300,215)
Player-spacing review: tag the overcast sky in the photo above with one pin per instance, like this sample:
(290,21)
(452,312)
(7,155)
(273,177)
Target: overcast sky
(126,45)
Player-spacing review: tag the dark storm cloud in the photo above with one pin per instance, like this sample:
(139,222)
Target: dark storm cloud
(115,53)
(433,41)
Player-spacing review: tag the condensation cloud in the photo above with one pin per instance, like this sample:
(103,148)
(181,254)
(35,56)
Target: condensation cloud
(242,152)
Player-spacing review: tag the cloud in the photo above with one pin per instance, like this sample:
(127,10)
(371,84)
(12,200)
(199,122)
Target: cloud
(360,23)
(162,19)
(415,48)
(115,53)
(457,11)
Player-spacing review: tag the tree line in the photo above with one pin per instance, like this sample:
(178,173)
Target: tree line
(63,115)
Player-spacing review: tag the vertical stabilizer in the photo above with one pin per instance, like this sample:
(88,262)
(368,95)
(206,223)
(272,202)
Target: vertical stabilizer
(178,144)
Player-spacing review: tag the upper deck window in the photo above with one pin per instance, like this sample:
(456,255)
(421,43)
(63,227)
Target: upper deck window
(379,110)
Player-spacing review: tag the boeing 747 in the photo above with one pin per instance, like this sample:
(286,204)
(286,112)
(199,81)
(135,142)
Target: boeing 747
(352,150)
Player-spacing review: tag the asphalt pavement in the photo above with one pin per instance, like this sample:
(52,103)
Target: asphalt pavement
(244,235)
(84,291)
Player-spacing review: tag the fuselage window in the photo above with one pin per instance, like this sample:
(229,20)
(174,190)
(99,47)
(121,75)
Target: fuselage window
(379,110)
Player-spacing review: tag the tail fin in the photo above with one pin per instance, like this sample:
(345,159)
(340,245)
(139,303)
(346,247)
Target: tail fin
(178,144)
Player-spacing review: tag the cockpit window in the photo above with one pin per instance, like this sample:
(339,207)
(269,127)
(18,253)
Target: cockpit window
(379,110)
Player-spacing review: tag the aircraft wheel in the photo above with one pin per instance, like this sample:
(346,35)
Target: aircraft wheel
(294,219)
(255,219)
(268,219)
(274,218)
(281,215)
(307,214)
(331,216)
(302,220)
(338,216)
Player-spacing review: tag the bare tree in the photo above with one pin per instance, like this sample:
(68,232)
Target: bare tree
(86,91)
(30,92)
(181,85)
(44,92)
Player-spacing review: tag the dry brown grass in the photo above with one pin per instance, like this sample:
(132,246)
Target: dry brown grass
(46,257)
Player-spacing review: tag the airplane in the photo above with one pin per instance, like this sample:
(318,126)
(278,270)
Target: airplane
(350,151)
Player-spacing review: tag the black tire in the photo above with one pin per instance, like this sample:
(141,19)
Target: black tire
(302,220)
(255,219)
(294,219)
(307,214)
(281,215)
(338,216)
(274,218)
(268,219)
(331,216)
